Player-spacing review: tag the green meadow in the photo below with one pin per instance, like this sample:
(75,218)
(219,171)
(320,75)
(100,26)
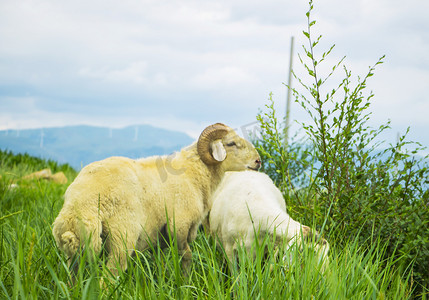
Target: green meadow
(31,266)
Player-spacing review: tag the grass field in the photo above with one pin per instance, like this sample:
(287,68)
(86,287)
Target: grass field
(32,267)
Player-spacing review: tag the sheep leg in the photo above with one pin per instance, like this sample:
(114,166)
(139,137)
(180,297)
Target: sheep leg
(73,264)
(118,245)
(117,259)
(184,234)
(186,253)
(229,251)
(193,231)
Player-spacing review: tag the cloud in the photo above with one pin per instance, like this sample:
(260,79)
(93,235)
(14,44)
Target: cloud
(223,77)
(195,62)
(135,73)
(20,105)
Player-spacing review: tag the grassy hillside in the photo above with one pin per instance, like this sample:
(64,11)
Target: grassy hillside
(31,266)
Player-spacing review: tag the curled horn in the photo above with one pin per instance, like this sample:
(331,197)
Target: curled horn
(211,133)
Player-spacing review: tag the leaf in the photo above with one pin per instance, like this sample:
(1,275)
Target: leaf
(10,215)
(306,34)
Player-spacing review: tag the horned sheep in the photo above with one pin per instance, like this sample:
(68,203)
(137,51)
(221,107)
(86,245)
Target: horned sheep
(247,206)
(125,204)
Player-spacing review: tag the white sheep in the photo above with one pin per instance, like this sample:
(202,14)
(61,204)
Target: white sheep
(248,204)
(124,203)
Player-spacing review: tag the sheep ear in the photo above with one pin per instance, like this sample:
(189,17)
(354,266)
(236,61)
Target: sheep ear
(218,151)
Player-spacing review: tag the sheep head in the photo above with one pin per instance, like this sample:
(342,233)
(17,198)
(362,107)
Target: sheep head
(219,143)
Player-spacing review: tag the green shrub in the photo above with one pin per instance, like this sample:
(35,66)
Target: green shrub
(341,176)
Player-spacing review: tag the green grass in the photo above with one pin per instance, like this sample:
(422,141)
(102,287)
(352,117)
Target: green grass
(32,267)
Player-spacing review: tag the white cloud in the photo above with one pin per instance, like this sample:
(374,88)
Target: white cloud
(401,94)
(224,77)
(193,62)
(135,73)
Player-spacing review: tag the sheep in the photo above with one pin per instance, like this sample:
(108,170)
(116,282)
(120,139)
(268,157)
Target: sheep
(126,204)
(247,206)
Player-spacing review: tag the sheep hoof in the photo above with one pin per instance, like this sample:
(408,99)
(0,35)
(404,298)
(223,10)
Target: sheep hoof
(186,267)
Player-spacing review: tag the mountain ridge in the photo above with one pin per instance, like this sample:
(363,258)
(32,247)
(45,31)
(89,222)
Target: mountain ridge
(82,144)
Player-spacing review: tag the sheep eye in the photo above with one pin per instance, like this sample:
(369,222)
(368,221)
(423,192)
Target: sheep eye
(231,144)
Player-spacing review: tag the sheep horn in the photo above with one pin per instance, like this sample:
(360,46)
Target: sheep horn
(211,133)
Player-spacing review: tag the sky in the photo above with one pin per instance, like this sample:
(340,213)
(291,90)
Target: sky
(184,65)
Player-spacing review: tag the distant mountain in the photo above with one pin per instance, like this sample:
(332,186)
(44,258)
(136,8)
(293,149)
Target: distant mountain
(81,145)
